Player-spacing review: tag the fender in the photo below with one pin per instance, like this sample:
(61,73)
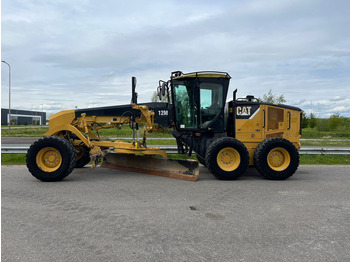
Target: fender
(54,132)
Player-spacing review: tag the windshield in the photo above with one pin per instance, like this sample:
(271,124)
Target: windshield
(197,103)
(185,106)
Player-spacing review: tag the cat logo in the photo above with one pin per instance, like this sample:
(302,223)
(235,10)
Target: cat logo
(243,110)
(247,111)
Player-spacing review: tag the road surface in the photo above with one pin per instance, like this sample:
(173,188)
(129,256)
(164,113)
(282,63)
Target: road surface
(110,215)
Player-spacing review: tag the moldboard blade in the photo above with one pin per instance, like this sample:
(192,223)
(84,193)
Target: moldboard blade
(179,169)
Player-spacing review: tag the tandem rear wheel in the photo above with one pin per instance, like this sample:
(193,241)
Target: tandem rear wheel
(51,158)
(227,158)
(276,158)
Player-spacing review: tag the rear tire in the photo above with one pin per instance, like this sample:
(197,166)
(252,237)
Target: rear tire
(227,158)
(51,158)
(276,158)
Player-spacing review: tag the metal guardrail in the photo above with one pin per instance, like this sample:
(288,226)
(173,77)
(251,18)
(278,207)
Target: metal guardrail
(324,151)
(173,150)
(14,149)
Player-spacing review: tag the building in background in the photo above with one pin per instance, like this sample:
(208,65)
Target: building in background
(23,117)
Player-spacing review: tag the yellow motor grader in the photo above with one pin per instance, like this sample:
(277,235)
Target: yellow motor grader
(226,137)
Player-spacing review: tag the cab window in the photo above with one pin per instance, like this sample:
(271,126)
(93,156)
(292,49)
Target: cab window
(211,102)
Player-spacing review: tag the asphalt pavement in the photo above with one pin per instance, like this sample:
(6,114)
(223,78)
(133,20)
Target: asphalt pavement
(110,215)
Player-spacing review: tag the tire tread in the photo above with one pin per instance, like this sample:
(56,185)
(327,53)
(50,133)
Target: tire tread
(37,146)
(211,160)
(261,163)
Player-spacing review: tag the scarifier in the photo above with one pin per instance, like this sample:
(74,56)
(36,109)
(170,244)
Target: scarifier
(226,137)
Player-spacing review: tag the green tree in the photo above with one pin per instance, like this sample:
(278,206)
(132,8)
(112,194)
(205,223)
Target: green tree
(155,97)
(312,120)
(273,98)
(335,121)
(304,120)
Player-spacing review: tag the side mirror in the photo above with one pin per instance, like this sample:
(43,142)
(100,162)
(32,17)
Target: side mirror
(163,88)
(159,93)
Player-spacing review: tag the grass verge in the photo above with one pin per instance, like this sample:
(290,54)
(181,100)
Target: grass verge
(314,133)
(325,143)
(13,159)
(25,131)
(325,159)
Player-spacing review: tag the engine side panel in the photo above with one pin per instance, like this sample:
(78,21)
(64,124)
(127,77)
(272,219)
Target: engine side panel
(254,122)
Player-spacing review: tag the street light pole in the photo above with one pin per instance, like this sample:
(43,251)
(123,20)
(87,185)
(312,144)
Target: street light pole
(9,94)
(41,117)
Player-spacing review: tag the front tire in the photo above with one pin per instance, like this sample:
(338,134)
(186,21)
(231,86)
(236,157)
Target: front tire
(51,158)
(227,158)
(276,158)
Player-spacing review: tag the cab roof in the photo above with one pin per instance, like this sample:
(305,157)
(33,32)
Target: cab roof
(208,74)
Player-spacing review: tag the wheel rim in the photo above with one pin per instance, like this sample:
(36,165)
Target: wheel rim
(48,159)
(228,159)
(278,159)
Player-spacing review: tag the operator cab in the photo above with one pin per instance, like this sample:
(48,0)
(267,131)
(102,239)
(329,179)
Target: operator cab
(199,100)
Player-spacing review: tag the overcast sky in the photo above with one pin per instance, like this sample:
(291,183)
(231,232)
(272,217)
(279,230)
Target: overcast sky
(66,54)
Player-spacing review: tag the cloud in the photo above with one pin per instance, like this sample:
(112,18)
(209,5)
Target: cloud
(339,109)
(337,98)
(76,51)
